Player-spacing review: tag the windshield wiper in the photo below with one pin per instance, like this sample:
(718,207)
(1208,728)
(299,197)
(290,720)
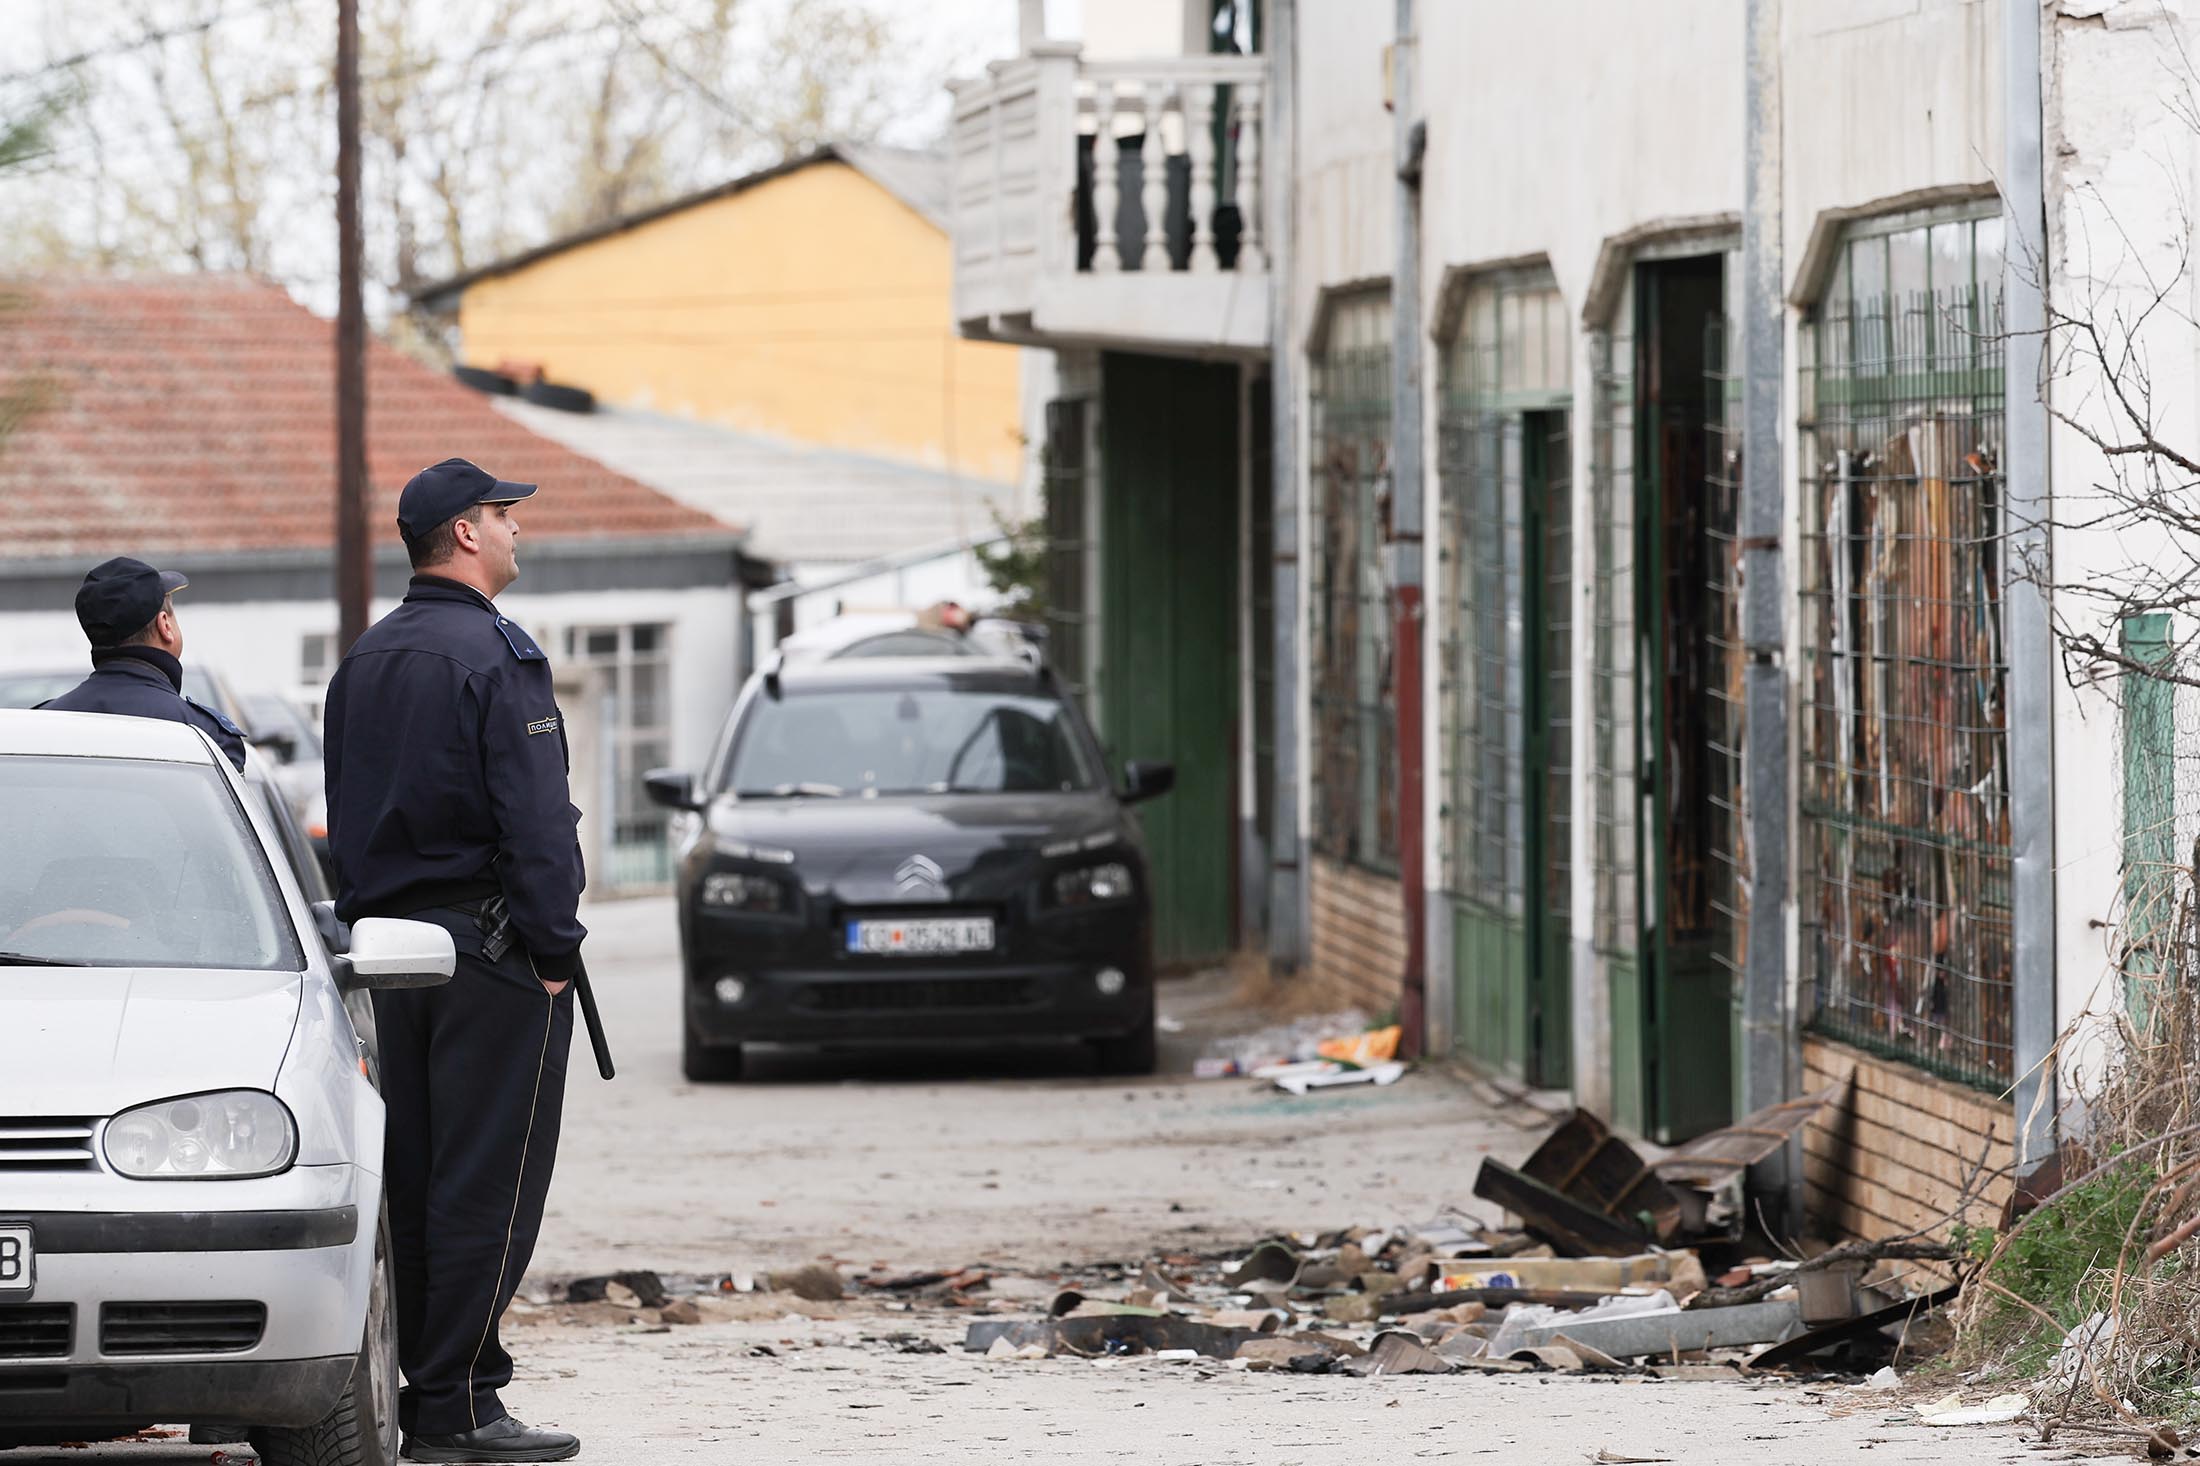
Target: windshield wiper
(25,959)
(796,791)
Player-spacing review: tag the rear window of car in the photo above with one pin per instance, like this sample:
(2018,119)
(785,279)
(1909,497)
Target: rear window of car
(134,863)
(933,740)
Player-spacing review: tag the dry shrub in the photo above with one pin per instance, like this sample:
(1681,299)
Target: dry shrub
(2119,1239)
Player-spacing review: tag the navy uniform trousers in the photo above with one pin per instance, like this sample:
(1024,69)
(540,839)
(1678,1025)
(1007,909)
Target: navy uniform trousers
(473,1080)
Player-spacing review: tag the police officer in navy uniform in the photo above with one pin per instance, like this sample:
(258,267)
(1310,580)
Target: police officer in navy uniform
(447,802)
(127,613)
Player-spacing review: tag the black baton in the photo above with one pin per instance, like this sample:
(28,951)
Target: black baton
(594,1020)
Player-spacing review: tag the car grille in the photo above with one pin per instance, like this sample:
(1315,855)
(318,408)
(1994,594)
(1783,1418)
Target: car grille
(917,994)
(47,1145)
(180,1328)
(36,1330)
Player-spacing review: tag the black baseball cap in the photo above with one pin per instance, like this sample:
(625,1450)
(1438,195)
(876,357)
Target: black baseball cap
(121,597)
(440,494)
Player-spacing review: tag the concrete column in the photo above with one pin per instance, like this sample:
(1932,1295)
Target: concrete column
(1408,491)
(1288,907)
(1770,1044)
(2030,639)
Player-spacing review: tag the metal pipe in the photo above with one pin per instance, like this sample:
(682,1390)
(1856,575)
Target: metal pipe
(1288,908)
(2027,491)
(1770,1060)
(1407,490)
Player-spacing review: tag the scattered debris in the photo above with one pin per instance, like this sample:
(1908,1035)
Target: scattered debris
(682,1312)
(635,1290)
(1950,1410)
(816,1282)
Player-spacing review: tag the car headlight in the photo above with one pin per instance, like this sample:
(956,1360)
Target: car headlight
(735,890)
(225,1136)
(1093,883)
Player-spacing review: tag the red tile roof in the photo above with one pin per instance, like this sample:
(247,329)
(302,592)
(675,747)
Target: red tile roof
(197,413)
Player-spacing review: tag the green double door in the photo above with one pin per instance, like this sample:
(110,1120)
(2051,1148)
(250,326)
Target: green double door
(1509,716)
(1167,603)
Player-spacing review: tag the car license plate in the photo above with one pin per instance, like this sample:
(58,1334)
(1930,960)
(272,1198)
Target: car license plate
(924,936)
(15,1260)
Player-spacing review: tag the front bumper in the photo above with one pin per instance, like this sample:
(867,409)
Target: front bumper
(35,1403)
(928,1004)
(301,1245)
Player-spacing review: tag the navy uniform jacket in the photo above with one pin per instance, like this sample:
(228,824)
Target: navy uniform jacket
(145,682)
(446,763)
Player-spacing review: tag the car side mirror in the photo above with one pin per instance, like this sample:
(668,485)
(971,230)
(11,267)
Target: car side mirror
(282,745)
(390,952)
(1147,779)
(672,788)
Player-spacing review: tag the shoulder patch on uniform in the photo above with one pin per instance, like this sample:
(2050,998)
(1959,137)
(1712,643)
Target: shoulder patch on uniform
(544,725)
(522,645)
(215,714)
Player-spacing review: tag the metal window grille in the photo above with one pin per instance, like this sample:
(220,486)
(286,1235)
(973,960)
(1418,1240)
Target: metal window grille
(637,665)
(1612,686)
(1905,873)
(1725,897)
(1504,393)
(1354,702)
(1261,522)
(1069,546)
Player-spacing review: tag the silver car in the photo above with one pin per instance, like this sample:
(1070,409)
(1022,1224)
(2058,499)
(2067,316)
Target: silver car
(190,1140)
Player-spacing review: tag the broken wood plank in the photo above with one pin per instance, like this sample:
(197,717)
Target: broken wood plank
(1568,1225)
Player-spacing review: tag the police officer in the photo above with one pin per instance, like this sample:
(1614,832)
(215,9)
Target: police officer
(127,613)
(447,801)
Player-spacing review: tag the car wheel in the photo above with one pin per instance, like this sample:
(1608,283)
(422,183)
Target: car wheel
(705,1063)
(362,1429)
(1133,1053)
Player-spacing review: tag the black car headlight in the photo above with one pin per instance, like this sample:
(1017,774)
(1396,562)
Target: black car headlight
(1090,885)
(737,890)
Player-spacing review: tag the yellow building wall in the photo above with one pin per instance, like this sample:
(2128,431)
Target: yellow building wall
(814,306)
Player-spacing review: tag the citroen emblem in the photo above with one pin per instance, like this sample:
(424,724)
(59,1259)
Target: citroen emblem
(920,875)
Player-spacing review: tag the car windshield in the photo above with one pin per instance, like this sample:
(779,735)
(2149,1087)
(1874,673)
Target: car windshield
(933,740)
(133,863)
(29,689)
(272,716)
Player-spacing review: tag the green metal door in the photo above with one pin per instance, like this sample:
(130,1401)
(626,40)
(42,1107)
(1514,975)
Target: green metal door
(1685,528)
(1509,711)
(1168,673)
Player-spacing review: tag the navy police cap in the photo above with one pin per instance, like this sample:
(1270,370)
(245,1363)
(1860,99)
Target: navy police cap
(440,494)
(121,597)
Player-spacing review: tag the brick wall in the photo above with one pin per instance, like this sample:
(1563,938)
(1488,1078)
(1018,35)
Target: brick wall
(1359,936)
(1897,1146)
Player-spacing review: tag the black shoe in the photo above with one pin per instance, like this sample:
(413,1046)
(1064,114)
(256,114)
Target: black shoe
(499,1440)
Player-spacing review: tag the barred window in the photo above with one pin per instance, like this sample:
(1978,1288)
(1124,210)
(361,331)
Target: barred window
(1507,664)
(1070,548)
(1353,684)
(1904,884)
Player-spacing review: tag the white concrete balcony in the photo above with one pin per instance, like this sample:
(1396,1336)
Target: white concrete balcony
(1111,203)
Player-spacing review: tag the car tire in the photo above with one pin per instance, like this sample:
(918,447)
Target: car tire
(362,1429)
(706,1063)
(1132,1053)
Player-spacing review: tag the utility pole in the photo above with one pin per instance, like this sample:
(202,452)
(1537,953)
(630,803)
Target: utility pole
(354,552)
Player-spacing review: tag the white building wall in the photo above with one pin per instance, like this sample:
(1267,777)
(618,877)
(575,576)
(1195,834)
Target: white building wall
(1643,129)
(2123,169)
